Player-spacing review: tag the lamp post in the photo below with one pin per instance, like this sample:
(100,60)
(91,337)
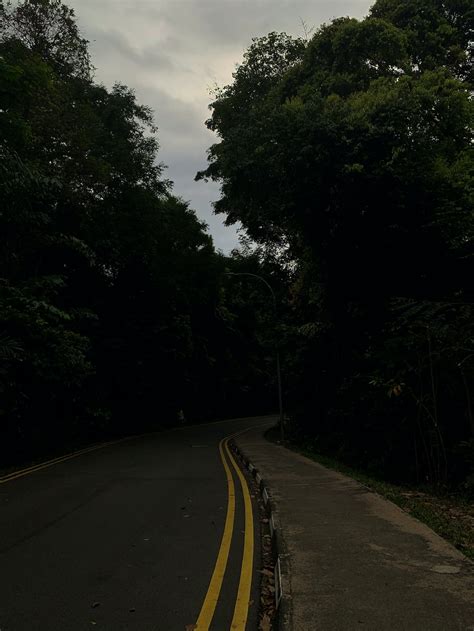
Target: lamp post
(277,350)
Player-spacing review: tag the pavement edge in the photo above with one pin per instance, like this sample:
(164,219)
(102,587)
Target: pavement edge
(280,551)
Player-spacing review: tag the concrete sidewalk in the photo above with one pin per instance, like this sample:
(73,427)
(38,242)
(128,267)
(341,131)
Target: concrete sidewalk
(354,560)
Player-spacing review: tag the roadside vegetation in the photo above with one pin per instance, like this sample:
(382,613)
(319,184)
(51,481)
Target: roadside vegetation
(115,315)
(349,155)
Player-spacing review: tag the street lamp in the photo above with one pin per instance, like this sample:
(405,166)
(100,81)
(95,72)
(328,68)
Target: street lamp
(277,350)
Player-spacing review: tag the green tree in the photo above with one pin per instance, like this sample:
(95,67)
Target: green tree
(48,29)
(358,158)
(111,292)
(438,33)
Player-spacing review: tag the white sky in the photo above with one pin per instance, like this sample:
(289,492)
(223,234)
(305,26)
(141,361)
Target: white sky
(172,52)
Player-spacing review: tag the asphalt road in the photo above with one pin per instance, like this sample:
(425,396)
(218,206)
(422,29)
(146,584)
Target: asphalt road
(154,533)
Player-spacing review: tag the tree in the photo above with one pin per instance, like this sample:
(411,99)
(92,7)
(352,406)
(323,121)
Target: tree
(48,29)
(43,351)
(111,297)
(438,33)
(359,158)
(236,107)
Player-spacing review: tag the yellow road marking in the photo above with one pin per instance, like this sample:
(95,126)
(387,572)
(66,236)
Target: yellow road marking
(213,592)
(49,463)
(210,602)
(241,610)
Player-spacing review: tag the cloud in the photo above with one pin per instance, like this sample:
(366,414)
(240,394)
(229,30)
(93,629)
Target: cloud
(172,52)
(110,44)
(183,118)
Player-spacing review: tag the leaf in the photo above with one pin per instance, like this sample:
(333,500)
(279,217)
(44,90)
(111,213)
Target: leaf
(265,623)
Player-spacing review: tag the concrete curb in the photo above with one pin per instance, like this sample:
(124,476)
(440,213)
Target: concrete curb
(279,548)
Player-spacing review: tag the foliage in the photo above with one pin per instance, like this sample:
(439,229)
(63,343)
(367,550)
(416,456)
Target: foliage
(113,314)
(357,158)
(48,29)
(438,33)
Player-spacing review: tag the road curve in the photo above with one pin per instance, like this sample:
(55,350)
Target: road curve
(153,533)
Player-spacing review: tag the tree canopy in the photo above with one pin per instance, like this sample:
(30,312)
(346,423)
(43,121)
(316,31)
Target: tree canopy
(113,315)
(357,158)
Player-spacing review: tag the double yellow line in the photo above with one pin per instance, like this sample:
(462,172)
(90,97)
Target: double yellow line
(239,619)
(49,463)
(206,615)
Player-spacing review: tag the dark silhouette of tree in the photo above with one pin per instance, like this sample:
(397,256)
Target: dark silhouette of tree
(112,311)
(356,159)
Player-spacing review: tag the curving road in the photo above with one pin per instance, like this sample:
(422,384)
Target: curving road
(153,533)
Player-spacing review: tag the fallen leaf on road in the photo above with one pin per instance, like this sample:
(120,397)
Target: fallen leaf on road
(265,624)
(94,605)
(190,627)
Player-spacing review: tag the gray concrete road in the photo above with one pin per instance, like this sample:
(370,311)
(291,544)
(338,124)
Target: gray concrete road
(354,561)
(132,536)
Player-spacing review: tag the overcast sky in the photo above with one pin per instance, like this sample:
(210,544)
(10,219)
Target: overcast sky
(172,52)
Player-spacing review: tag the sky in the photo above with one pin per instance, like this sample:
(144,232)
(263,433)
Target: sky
(174,52)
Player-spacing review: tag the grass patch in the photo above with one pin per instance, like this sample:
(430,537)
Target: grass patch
(450,516)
